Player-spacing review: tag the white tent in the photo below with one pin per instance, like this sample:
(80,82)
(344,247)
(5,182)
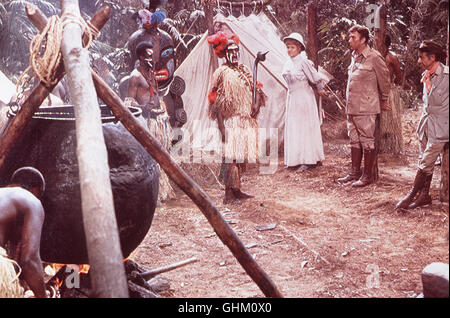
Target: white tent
(7,89)
(257,33)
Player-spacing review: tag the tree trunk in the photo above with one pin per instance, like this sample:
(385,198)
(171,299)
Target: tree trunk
(100,225)
(391,138)
(448,35)
(443,192)
(313,43)
(313,48)
(209,15)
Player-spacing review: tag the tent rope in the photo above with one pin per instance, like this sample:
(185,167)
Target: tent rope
(187,32)
(278,22)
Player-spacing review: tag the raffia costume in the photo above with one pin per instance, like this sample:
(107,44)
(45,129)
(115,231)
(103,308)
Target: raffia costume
(9,279)
(234,102)
(231,100)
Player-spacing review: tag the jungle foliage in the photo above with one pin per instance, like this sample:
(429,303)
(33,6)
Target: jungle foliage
(409,22)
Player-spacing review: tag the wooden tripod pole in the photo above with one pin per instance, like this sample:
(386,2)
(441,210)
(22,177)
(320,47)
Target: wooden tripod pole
(107,270)
(177,175)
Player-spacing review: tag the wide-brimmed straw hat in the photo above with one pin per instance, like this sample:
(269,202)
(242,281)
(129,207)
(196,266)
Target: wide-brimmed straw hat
(296,37)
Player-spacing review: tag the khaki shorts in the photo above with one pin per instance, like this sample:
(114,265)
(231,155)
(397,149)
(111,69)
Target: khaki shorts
(361,130)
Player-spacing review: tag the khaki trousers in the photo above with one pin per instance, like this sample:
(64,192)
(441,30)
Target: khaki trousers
(361,131)
(429,152)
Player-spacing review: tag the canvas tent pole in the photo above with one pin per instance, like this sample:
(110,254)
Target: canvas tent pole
(254,56)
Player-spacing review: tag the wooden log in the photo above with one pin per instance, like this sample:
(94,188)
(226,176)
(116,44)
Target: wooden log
(136,278)
(152,273)
(137,291)
(131,266)
(41,92)
(100,225)
(177,175)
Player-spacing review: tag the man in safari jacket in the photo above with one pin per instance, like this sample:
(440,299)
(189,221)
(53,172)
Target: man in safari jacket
(368,89)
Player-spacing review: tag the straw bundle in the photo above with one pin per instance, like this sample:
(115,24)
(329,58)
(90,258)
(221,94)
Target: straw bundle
(9,278)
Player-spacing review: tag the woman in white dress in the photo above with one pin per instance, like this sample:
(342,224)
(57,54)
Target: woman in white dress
(303,147)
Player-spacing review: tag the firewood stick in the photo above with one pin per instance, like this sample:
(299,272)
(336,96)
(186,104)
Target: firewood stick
(177,175)
(40,93)
(152,273)
(298,239)
(140,292)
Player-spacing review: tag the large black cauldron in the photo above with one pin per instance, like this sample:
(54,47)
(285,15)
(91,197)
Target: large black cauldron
(49,144)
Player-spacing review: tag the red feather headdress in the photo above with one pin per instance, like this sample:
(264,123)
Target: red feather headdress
(220,42)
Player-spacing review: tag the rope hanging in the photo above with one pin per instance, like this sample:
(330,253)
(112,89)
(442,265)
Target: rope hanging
(45,49)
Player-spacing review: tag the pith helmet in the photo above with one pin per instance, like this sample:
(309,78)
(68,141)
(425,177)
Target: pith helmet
(296,37)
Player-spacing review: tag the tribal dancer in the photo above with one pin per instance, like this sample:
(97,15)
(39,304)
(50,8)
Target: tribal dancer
(231,105)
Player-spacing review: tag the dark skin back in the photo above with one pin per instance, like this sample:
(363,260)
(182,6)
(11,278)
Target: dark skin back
(393,65)
(21,220)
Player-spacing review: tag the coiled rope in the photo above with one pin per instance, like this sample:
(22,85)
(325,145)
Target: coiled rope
(45,49)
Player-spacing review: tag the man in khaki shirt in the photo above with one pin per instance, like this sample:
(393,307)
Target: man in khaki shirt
(368,89)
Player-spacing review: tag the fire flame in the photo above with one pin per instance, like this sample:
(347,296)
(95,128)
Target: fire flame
(84,269)
(52,269)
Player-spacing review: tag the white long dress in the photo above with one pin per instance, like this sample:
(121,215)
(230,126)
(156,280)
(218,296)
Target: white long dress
(302,136)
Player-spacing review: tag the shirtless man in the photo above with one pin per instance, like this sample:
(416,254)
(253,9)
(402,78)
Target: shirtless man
(143,87)
(21,220)
(392,63)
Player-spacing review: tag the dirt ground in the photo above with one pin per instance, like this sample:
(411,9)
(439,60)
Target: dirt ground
(329,240)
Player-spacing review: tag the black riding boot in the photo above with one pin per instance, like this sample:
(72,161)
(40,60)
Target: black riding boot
(419,182)
(355,171)
(367,176)
(424,197)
